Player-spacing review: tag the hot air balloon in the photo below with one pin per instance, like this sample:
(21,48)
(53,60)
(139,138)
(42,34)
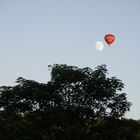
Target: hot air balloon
(99,46)
(109,38)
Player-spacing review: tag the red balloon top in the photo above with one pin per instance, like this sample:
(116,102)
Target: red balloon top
(109,38)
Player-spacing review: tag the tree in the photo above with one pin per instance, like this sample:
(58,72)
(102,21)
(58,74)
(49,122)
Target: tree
(91,91)
(26,97)
(77,103)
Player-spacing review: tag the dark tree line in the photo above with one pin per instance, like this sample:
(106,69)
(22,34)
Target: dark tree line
(77,103)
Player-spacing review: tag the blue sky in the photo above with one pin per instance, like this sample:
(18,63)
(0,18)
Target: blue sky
(37,33)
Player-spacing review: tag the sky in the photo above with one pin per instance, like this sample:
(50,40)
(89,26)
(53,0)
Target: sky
(38,33)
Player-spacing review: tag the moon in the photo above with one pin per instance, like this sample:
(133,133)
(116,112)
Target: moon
(99,46)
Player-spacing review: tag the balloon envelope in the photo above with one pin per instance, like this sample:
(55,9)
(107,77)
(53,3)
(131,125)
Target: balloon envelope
(99,46)
(109,38)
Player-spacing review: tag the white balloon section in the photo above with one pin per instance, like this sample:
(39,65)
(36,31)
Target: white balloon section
(99,46)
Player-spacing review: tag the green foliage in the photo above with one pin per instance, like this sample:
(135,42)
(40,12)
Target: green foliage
(77,103)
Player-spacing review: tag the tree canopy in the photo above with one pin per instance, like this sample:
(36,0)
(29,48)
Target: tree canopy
(76,103)
(91,90)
